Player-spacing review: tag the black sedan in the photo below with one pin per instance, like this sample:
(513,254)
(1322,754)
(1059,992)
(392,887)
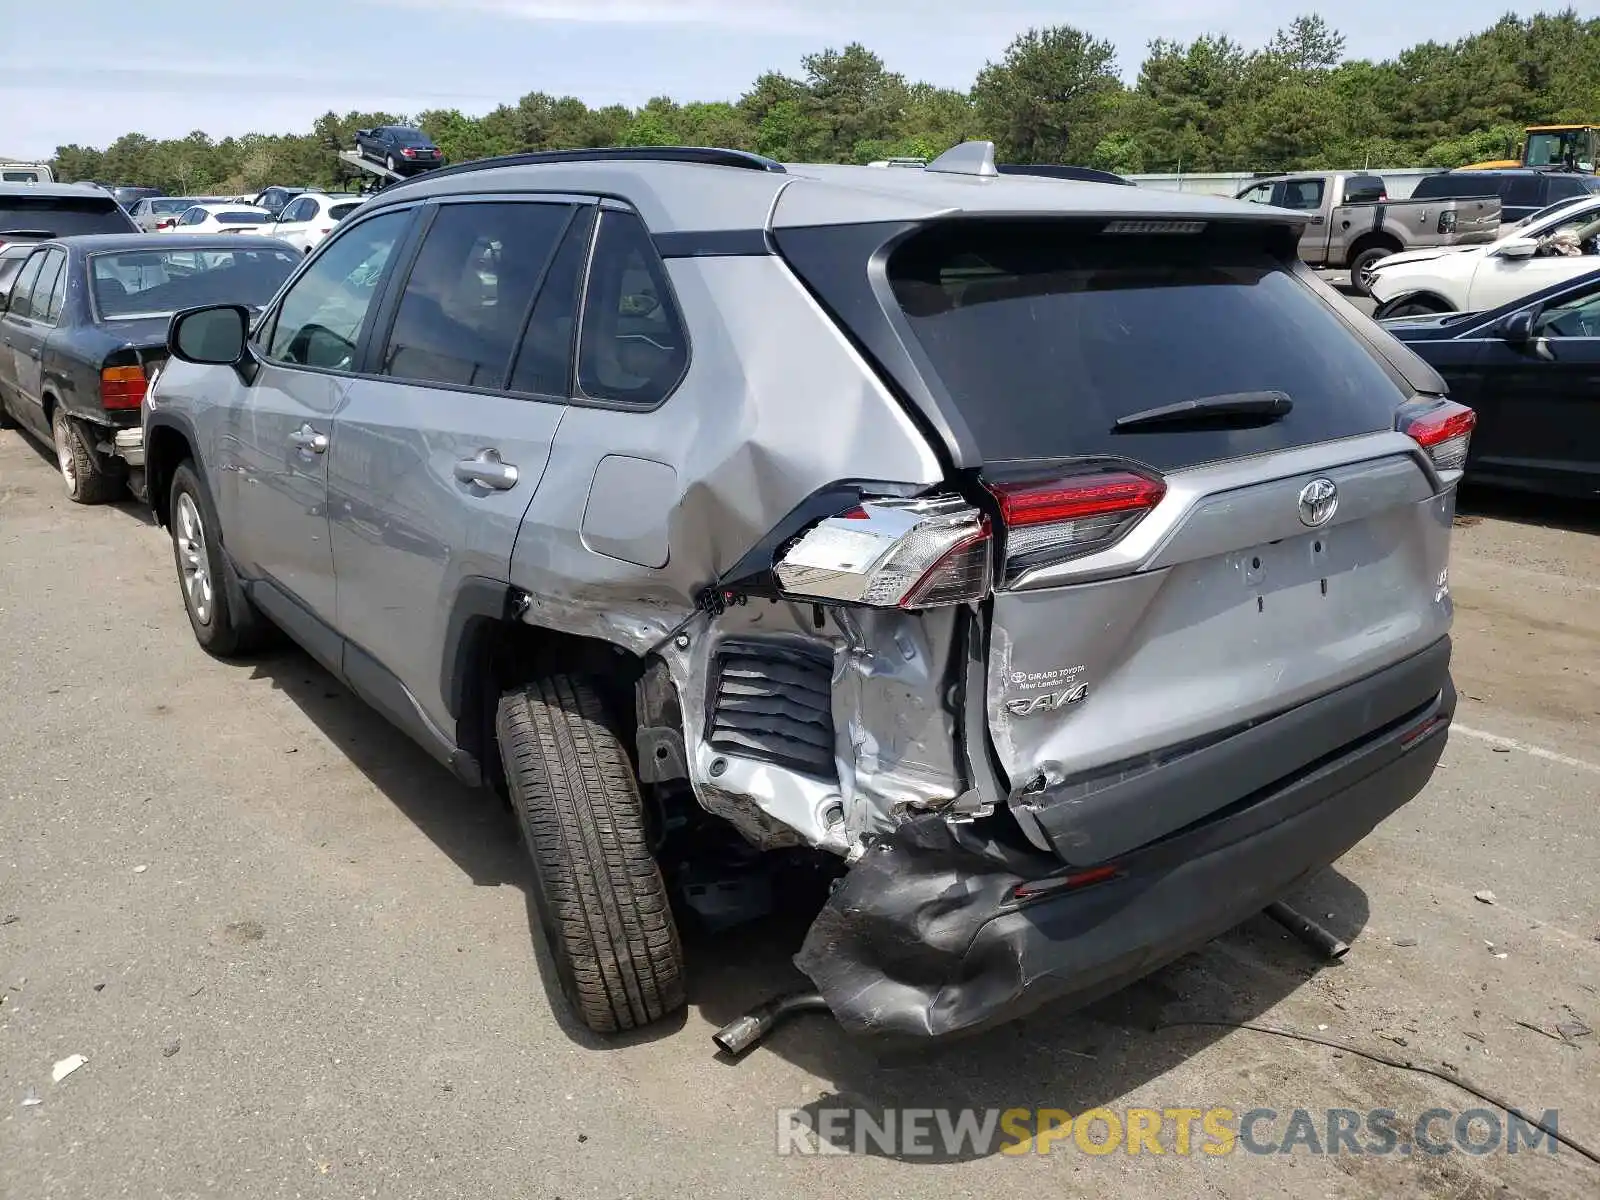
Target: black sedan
(85,325)
(1531,370)
(400,148)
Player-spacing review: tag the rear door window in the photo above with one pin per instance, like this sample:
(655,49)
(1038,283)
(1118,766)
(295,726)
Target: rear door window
(63,216)
(1468,184)
(468,296)
(1521,191)
(1045,333)
(22,293)
(544,360)
(1302,195)
(52,277)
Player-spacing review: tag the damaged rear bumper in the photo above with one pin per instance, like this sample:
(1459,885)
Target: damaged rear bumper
(924,936)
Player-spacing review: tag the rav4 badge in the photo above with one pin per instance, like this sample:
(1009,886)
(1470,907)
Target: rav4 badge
(1030,706)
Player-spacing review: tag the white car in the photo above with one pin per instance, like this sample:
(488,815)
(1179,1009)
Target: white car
(1477,278)
(309,218)
(224,218)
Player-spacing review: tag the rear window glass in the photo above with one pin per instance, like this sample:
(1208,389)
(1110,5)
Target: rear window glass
(176,204)
(1447,187)
(243,218)
(1045,333)
(340,211)
(1364,189)
(63,216)
(156,282)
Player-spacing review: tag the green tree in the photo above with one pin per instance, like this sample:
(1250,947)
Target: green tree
(849,98)
(1050,99)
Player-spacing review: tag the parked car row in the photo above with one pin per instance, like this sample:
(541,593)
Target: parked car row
(85,299)
(1353,225)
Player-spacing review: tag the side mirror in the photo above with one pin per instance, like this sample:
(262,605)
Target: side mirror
(1518,327)
(1519,247)
(211,336)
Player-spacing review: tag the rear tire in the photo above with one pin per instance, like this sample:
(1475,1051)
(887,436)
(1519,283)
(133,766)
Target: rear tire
(1361,268)
(600,895)
(389,162)
(225,623)
(87,480)
(6,420)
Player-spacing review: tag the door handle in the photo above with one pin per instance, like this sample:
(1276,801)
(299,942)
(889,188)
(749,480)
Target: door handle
(487,469)
(308,438)
(1318,219)
(33,352)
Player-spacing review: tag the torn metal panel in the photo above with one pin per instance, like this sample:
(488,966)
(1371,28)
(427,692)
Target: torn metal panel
(805,725)
(896,702)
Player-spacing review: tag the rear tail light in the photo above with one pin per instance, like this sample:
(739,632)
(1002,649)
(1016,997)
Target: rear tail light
(1072,515)
(1441,427)
(121,387)
(892,554)
(409,152)
(1447,222)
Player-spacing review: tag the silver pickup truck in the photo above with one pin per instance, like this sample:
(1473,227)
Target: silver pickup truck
(1354,224)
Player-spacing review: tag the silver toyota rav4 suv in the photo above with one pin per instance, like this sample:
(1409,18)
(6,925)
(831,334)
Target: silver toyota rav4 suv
(1061,562)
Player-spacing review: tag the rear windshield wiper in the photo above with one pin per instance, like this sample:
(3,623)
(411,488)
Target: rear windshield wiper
(1209,410)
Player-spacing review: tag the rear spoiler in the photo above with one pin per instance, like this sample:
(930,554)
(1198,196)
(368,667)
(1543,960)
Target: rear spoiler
(36,235)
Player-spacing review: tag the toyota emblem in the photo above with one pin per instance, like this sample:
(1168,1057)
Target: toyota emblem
(1319,500)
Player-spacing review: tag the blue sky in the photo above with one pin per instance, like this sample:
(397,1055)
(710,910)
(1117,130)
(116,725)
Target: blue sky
(100,68)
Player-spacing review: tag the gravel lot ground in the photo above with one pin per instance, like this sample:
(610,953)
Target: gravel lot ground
(299,959)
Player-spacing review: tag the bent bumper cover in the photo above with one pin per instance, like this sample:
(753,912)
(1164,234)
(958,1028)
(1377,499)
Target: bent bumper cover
(923,939)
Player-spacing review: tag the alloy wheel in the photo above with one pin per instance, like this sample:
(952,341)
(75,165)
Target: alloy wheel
(190,535)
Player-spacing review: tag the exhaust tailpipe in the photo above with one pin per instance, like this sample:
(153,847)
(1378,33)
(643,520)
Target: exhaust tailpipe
(1308,931)
(740,1034)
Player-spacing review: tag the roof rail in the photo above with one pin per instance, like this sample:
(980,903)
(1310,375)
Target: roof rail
(969,158)
(708,156)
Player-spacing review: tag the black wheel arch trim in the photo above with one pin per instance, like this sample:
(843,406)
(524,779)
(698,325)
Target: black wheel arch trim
(180,424)
(1379,312)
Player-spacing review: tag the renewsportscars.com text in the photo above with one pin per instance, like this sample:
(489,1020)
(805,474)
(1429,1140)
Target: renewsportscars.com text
(970,1132)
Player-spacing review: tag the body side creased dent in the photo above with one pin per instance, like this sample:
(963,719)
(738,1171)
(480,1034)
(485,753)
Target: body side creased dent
(750,435)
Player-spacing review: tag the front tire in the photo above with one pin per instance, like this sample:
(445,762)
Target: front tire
(600,894)
(221,625)
(87,480)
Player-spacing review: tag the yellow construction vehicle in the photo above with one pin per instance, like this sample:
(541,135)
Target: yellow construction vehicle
(1570,147)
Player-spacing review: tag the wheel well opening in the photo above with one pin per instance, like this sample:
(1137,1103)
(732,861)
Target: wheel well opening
(165,450)
(1375,241)
(48,401)
(498,654)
